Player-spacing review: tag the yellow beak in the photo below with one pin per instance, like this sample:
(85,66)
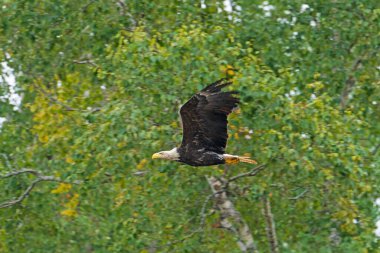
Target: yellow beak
(156,156)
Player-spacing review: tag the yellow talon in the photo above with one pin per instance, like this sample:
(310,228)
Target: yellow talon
(231,159)
(234,159)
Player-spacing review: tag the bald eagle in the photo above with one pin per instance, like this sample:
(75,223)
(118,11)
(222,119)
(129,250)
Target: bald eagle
(204,124)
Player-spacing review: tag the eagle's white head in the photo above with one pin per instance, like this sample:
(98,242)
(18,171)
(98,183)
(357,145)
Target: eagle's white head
(168,155)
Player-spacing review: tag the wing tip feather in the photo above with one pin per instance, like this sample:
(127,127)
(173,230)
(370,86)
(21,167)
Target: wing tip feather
(216,86)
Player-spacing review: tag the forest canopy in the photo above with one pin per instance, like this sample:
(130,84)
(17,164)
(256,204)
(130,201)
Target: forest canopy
(89,90)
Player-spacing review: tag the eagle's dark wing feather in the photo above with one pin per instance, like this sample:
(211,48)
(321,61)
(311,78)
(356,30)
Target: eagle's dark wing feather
(204,118)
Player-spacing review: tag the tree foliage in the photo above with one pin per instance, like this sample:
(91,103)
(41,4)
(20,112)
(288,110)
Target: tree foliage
(102,82)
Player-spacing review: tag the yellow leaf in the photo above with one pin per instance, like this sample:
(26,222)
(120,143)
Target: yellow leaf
(328,173)
(62,188)
(137,188)
(119,200)
(230,72)
(69,160)
(44,138)
(74,201)
(142,164)
(366,188)
(120,144)
(69,213)
(33,107)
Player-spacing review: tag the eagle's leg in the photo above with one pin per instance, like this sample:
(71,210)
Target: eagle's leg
(231,159)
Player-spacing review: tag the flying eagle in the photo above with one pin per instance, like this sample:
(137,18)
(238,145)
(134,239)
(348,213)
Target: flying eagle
(204,124)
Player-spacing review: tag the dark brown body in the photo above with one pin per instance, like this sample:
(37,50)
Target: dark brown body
(204,123)
(200,158)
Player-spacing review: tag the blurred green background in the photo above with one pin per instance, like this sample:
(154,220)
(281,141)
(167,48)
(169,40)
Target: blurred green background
(101,83)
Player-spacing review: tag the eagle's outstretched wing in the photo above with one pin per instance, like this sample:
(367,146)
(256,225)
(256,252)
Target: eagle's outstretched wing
(204,118)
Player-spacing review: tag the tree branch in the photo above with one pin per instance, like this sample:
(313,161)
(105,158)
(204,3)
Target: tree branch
(124,12)
(231,219)
(40,178)
(18,172)
(86,61)
(250,173)
(375,149)
(7,161)
(270,225)
(84,8)
(299,195)
(349,84)
(203,210)
(351,81)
